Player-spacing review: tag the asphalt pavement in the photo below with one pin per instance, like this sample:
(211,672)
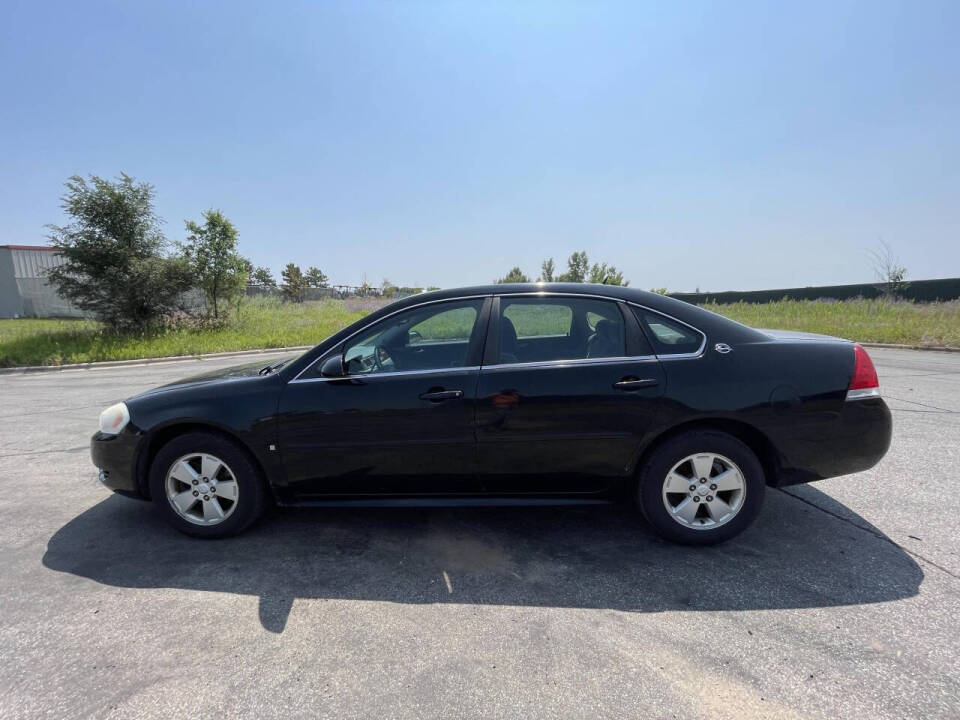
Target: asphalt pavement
(841,601)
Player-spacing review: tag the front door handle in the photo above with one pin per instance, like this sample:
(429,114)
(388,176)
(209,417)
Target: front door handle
(632,383)
(439,395)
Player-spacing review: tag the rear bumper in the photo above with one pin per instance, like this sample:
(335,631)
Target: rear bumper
(856,440)
(116,457)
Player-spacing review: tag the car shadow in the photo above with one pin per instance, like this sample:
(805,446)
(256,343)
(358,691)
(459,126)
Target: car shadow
(795,556)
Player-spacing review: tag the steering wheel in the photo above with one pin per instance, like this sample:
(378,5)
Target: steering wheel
(381,357)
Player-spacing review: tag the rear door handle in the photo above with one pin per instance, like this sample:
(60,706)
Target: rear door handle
(439,395)
(635,383)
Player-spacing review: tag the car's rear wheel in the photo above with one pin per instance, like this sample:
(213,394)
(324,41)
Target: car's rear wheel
(701,487)
(206,485)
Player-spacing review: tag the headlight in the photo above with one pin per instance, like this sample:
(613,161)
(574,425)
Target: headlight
(114,419)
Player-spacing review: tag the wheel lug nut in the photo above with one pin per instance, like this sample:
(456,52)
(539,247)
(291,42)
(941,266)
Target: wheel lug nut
(713,487)
(702,480)
(692,488)
(206,497)
(195,482)
(709,498)
(195,493)
(213,490)
(696,498)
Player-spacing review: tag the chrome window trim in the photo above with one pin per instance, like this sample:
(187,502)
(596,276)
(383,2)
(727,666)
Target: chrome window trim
(574,362)
(500,366)
(325,356)
(548,294)
(395,373)
(676,356)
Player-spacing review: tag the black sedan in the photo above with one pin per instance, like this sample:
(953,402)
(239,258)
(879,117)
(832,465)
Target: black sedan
(508,395)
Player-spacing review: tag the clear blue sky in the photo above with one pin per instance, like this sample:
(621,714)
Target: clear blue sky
(720,145)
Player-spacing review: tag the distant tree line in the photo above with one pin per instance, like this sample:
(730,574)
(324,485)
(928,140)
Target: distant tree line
(579,270)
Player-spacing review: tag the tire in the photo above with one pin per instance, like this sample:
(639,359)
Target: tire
(177,473)
(699,515)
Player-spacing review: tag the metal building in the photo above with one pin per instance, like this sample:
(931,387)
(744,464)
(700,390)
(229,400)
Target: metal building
(24,290)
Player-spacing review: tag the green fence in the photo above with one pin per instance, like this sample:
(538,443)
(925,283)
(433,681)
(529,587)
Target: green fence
(917,290)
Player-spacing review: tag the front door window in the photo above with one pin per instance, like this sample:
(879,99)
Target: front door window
(432,337)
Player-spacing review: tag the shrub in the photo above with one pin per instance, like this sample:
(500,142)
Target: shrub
(114,254)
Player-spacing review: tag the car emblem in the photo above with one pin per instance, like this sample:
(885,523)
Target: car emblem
(722,348)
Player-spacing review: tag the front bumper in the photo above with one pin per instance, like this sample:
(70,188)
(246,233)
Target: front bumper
(116,457)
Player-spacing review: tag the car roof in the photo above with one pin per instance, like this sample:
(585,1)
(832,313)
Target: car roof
(701,319)
(614,291)
(617,292)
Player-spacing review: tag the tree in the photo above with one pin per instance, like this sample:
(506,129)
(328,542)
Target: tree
(888,269)
(211,251)
(604,275)
(294,284)
(659,291)
(514,276)
(115,260)
(315,278)
(578,265)
(546,271)
(388,289)
(263,276)
(579,270)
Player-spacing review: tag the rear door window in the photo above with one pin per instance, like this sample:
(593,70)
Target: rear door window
(546,329)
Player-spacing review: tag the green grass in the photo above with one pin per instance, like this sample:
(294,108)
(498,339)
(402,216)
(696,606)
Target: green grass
(538,320)
(262,323)
(931,324)
(450,325)
(266,323)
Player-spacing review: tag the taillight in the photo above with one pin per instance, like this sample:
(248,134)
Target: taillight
(864,383)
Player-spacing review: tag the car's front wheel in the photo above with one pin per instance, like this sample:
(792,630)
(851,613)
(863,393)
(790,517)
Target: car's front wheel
(205,485)
(701,488)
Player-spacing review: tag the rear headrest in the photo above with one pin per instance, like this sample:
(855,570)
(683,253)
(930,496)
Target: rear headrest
(607,330)
(508,333)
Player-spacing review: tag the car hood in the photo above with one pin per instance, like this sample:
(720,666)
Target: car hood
(798,335)
(220,375)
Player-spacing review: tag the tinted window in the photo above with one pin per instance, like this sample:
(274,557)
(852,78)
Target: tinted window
(669,337)
(455,324)
(546,329)
(433,337)
(539,319)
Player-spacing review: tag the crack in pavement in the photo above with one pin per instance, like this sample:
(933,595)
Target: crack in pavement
(923,412)
(52,410)
(948,373)
(44,452)
(914,402)
(876,533)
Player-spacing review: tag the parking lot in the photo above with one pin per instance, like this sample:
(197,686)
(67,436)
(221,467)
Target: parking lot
(841,601)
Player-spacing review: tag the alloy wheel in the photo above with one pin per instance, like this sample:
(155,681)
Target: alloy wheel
(704,491)
(202,489)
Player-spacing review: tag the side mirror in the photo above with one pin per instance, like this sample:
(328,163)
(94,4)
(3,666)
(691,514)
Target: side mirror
(333,367)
